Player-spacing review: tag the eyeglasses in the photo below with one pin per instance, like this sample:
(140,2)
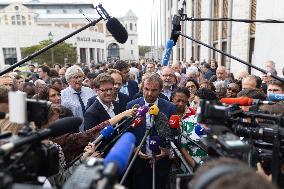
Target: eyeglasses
(106,90)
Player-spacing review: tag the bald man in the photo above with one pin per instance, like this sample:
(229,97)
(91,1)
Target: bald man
(221,75)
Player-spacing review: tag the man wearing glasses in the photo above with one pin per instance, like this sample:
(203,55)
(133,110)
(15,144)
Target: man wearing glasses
(75,96)
(104,106)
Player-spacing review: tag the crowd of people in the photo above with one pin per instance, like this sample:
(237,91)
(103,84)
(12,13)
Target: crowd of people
(104,94)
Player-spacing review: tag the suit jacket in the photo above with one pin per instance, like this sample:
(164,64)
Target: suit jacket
(132,88)
(164,106)
(123,99)
(96,114)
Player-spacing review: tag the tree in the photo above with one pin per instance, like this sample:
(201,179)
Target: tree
(62,53)
(143,50)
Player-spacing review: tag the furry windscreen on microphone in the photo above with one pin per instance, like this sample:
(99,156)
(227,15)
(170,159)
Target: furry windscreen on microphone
(117,30)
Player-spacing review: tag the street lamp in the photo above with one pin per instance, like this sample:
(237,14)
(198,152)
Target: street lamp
(50,37)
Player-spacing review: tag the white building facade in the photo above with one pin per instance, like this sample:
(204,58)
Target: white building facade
(254,43)
(26,24)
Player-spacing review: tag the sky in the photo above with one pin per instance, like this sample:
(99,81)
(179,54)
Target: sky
(117,8)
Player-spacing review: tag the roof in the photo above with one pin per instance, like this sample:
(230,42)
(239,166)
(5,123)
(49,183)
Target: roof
(130,14)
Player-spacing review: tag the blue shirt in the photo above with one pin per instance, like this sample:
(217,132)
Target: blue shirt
(70,100)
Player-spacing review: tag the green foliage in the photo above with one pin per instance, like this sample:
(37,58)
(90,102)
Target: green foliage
(143,50)
(60,51)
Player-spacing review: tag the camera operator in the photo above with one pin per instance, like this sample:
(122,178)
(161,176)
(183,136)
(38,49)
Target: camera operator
(226,173)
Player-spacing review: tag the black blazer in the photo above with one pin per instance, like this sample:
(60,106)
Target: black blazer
(96,114)
(132,88)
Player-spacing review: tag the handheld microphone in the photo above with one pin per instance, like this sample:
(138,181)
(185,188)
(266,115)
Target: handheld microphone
(174,122)
(154,143)
(141,112)
(275,97)
(168,52)
(104,134)
(199,130)
(136,123)
(244,101)
(120,153)
(153,110)
(58,128)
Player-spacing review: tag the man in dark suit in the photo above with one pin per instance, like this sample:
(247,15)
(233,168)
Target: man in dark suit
(129,87)
(104,107)
(142,170)
(120,98)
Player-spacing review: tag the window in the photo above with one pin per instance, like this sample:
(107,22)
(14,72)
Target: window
(126,26)
(131,41)
(132,52)
(10,55)
(16,8)
(130,27)
(18,20)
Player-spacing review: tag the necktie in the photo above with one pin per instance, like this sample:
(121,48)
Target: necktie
(81,102)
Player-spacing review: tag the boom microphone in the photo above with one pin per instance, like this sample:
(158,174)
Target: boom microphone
(117,30)
(275,97)
(58,128)
(168,52)
(243,101)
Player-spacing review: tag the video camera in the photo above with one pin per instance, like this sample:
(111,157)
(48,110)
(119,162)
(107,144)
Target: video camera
(252,136)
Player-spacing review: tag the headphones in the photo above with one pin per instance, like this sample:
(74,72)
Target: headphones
(212,174)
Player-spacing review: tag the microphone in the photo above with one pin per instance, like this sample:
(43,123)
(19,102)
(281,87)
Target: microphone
(176,28)
(153,110)
(167,52)
(136,122)
(154,143)
(58,128)
(120,153)
(275,97)
(244,101)
(174,122)
(117,30)
(104,134)
(142,111)
(114,27)
(199,130)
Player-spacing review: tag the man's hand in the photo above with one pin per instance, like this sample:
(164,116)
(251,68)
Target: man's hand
(261,172)
(163,154)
